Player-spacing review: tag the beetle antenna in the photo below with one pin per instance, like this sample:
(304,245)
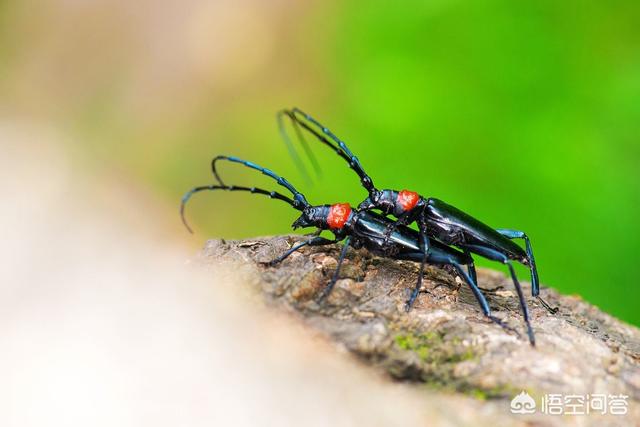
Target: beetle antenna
(293,153)
(328,138)
(253,190)
(303,141)
(300,202)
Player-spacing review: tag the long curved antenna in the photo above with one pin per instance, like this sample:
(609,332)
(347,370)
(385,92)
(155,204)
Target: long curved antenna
(340,147)
(293,153)
(299,201)
(315,133)
(307,149)
(253,190)
(305,145)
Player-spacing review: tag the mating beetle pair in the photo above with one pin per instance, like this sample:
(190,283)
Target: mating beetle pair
(440,226)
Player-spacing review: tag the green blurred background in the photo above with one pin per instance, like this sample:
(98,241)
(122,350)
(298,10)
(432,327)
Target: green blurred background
(524,114)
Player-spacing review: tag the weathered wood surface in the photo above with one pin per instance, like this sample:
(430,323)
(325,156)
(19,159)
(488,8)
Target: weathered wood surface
(445,342)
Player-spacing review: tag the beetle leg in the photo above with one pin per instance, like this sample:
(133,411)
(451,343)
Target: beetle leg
(477,293)
(498,256)
(424,250)
(484,305)
(535,282)
(471,268)
(316,241)
(403,219)
(552,310)
(516,234)
(327,290)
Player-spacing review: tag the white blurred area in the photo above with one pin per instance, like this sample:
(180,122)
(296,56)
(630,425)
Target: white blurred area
(104,323)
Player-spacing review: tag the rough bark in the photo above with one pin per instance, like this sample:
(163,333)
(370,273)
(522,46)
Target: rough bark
(445,341)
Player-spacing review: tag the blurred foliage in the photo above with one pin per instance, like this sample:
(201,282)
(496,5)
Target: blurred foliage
(526,115)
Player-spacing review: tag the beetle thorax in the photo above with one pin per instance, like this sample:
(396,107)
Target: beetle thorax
(407,200)
(338,215)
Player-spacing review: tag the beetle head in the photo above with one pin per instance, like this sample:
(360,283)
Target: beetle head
(371,202)
(325,217)
(311,217)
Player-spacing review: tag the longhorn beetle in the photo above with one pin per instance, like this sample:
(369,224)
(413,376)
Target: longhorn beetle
(356,228)
(436,220)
